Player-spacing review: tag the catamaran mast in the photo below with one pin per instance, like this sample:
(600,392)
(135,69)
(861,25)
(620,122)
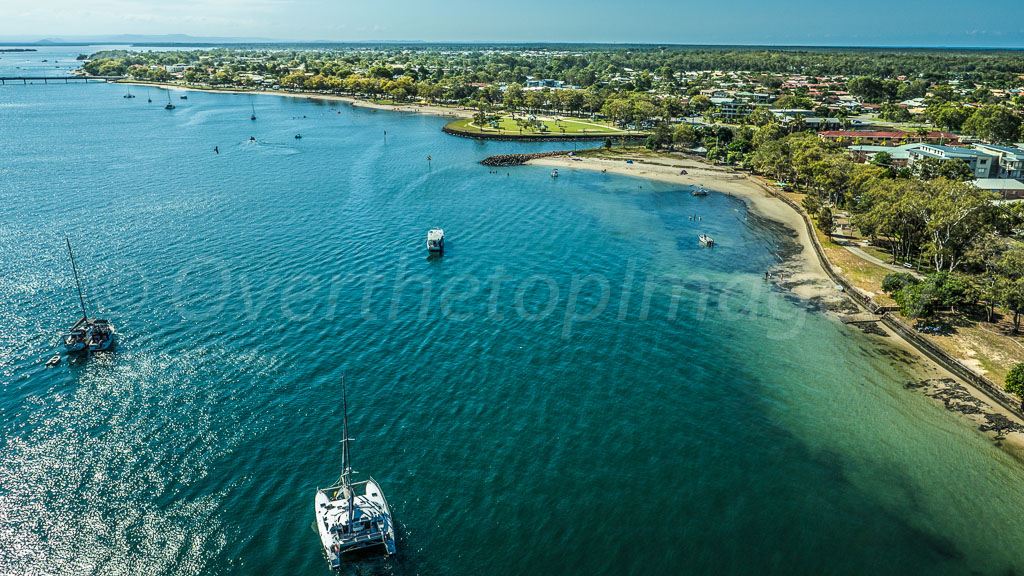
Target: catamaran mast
(81,300)
(346,472)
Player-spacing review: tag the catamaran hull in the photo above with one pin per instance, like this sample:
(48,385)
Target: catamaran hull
(330,509)
(103,346)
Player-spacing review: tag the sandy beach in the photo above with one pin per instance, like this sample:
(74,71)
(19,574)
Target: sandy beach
(433,110)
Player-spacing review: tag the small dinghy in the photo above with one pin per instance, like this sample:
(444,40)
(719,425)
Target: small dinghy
(554,173)
(298,136)
(53,361)
(706,240)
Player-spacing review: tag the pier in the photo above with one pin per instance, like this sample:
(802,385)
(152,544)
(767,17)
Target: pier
(57,79)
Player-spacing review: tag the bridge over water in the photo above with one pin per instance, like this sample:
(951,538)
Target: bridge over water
(57,79)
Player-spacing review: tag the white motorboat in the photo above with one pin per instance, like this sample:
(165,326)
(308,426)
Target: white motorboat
(706,240)
(699,191)
(435,240)
(554,173)
(352,516)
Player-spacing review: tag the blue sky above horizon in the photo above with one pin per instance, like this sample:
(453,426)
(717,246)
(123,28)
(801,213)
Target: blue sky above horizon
(791,22)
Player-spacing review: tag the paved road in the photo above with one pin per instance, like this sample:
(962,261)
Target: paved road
(856,251)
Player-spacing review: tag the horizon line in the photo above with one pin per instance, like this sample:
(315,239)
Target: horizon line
(210,41)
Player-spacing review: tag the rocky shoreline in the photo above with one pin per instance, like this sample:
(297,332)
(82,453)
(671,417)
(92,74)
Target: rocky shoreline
(956,398)
(504,160)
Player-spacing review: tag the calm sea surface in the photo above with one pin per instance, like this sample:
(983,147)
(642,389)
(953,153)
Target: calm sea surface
(576,387)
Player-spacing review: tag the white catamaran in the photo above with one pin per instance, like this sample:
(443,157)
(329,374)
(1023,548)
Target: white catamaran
(352,516)
(92,335)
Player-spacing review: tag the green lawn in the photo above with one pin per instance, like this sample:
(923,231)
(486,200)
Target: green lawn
(506,125)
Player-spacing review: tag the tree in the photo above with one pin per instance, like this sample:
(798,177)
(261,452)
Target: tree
(684,136)
(762,116)
(793,102)
(868,89)
(1015,380)
(993,123)
(1010,282)
(812,204)
(956,214)
(480,118)
(618,110)
(893,283)
(382,72)
(513,98)
(826,221)
(949,116)
(661,138)
(940,290)
(896,210)
(671,107)
(767,133)
(894,113)
(700,104)
(883,159)
(955,169)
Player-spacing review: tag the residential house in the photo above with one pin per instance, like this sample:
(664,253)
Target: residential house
(982,164)
(1011,160)
(1006,188)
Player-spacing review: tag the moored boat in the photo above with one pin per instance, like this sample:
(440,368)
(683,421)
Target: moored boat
(435,240)
(554,173)
(706,240)
(352,516)
(93,335)
(699,191)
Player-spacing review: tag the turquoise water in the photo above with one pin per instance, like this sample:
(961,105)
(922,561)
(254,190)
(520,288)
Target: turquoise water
(575,387)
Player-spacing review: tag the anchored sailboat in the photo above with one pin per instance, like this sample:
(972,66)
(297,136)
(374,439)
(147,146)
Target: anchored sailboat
(350,515)
(253,109)
(169,105)
(92,335)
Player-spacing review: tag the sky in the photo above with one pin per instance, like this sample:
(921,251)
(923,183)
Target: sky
(993,23)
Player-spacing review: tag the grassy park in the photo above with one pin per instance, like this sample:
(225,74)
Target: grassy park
(528,126)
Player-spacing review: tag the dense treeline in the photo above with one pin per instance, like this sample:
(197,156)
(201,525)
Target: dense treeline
(577,64)
(930,217)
